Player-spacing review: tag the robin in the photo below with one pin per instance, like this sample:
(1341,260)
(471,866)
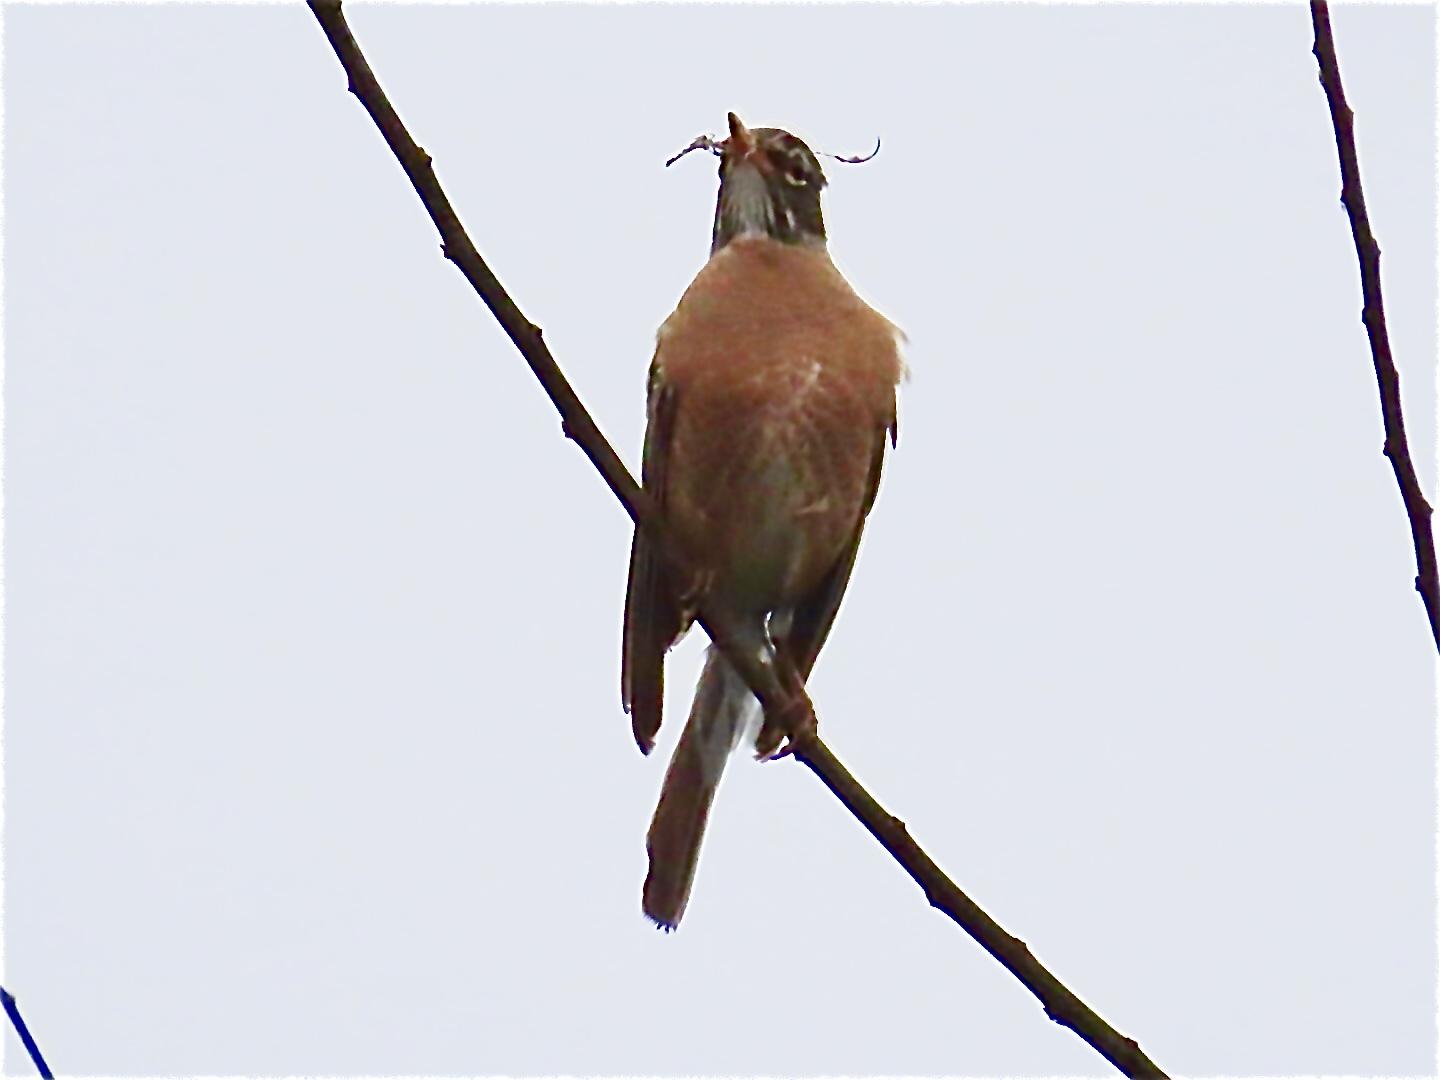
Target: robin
(771,394)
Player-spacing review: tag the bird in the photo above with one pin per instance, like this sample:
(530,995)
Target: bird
(770,400)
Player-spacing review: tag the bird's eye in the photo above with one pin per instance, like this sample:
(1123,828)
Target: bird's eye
(796,175)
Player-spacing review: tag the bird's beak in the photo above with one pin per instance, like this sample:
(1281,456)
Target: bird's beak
(740,143)
(740,146)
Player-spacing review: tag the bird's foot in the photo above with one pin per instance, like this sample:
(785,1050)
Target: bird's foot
(794,722)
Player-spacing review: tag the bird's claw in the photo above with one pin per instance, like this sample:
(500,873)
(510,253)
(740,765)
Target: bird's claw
(794,724)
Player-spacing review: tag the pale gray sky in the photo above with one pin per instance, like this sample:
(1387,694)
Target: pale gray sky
(314,758)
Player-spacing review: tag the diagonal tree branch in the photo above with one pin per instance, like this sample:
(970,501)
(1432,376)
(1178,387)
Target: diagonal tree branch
(1060,1004)
(1397,447)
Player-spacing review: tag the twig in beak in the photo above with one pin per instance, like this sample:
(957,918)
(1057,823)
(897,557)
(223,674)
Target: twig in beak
(702,142)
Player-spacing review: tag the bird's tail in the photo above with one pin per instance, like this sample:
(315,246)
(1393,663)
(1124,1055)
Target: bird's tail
(717,720)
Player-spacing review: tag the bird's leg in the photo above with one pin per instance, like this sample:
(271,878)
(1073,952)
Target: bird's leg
(793,719)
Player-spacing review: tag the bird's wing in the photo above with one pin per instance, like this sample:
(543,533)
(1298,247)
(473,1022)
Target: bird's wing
(811,620)
(653,619)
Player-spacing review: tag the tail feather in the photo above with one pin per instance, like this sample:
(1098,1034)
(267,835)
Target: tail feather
(717,719)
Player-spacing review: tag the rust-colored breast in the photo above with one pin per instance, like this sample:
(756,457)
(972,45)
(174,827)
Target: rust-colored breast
(784,384)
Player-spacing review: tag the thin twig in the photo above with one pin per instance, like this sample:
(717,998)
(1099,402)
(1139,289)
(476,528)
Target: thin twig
(1397,447)
(1060,1004)
(13,1011)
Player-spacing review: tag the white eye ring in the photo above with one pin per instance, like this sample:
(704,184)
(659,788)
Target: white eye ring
(795,176)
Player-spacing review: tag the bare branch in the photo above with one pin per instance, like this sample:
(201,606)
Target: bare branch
(1060,1004)
(1397,447)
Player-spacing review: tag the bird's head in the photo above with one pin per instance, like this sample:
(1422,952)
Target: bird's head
(770,185)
